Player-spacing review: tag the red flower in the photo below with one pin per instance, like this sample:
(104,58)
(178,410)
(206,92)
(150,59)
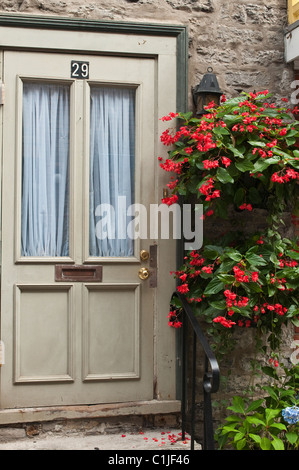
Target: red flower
(224,322)
(169,200)
(207,164)
(189,150)
(244,206)
(169,117)
(207,269)
(226,161)
(183,289)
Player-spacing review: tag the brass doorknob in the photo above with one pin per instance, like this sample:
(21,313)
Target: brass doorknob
(144,273)
(144,255)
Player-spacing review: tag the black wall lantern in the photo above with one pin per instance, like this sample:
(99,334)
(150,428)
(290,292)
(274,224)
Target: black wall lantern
(208,90)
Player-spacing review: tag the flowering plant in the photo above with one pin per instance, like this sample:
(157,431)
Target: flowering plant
(253,284)
(267,423)
(291,414)
(243,155)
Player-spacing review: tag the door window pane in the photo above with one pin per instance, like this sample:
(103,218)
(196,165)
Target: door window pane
(112,157)
(45,170)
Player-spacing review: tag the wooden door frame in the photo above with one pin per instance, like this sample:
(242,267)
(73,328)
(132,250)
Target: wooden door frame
(180,32)
(9,22)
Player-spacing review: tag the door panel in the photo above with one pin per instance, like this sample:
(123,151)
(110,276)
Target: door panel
(111,312)
(48,355)
(68,340)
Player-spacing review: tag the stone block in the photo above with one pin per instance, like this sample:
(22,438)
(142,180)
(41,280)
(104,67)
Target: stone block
(10,434)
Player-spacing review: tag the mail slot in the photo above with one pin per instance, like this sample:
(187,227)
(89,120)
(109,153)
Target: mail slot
(66,273)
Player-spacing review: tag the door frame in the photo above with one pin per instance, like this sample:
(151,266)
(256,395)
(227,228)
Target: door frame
(152,40)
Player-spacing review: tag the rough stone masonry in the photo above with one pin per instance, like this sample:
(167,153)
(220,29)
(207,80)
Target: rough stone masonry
(242,40)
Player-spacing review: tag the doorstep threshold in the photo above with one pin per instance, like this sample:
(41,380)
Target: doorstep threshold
(51,413)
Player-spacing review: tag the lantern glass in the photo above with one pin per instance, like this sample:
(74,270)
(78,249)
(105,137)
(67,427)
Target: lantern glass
(203,99)
(207,91)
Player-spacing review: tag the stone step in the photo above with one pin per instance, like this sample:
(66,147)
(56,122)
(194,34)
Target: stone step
(149,439)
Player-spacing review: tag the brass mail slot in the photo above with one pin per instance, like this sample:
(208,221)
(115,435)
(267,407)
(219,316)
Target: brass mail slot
(65,273)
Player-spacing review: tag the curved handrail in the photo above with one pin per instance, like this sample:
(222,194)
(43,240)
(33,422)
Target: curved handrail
(212,380)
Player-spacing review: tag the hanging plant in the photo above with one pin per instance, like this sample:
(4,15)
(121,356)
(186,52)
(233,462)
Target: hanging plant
(253,284)
(240,155)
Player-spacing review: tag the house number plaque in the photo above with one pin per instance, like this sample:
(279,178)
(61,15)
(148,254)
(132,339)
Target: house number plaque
(79,69)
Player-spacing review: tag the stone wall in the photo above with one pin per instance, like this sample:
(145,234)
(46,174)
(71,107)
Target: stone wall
(242,40)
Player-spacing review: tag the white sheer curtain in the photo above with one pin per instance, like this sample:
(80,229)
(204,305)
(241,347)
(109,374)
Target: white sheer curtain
(112,156)
(45,173)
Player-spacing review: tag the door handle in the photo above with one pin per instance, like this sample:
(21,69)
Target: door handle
(144,273)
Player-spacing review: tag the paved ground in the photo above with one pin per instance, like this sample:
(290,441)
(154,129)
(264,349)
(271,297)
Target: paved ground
(149,440)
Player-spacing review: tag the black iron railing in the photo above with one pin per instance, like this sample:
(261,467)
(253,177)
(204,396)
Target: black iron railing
(211,377)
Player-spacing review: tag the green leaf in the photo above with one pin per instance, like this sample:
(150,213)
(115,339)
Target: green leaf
(272,160)
(238,405)
(279,426)
(256,143)
(255,260)
(223,176)
(256,421)
(281,153)
(234,419)
(231,118)
(218,304)
(176,301)
(235,151)
(292,254)
(270,371)
(245,165)
(294,163)
(214,287)
(220,130)
(255,437)
(254,405)
(234,254)
(226,278)
(290,142)
(260,165)
(186,116)
(212,251)
(239,197)
(277,443)
(254,287)
(271,392)
(241,444)
(265,443)
(228,429)
(238,436)
(271,414)
(292,437)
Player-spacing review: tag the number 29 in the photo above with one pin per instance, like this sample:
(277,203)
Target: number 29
(79,69)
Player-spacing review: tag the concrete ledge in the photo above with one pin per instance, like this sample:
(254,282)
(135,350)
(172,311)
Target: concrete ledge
(29,415)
